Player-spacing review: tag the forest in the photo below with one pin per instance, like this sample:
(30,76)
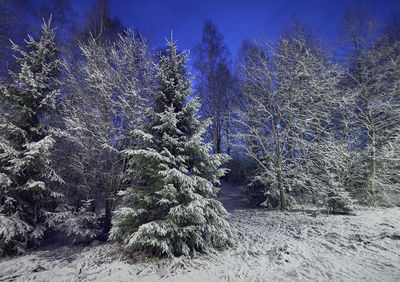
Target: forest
(148,163)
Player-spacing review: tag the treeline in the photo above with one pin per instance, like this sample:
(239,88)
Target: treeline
(321,129)
(93,122)
(303,123)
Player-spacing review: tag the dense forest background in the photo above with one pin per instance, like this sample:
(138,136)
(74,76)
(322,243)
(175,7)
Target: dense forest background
(302,122)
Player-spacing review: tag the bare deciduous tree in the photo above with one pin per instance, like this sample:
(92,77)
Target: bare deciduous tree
(215,85)
(290,95)
(107,95)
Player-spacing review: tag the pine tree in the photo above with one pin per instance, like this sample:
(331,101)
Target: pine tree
(169,209)
(26,199)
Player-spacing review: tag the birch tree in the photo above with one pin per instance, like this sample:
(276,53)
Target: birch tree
(291,95)
(373,88)
(384,109)
(262,120)
(358,30)
(107,99)
(214,84)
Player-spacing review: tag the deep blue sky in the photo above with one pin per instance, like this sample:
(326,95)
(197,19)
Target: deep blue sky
(236,19)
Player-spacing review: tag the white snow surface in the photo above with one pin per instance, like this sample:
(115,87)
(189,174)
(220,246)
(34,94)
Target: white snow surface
(270,246)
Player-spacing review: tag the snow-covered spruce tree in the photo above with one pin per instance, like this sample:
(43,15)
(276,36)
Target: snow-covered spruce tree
(169,209)
(26,200)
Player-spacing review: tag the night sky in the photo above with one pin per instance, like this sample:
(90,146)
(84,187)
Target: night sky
(236,19)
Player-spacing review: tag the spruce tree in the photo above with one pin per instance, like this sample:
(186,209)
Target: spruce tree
(26,199)
(169,207)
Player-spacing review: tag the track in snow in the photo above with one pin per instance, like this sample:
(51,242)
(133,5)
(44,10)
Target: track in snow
(231,197)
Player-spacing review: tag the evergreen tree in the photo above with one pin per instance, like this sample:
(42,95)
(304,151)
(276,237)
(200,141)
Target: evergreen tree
(169,209)
(26,200)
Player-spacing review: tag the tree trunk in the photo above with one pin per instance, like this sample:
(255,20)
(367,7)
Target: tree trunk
(309,182)
(107,216)
(280,184)
(372,175)
(314,199)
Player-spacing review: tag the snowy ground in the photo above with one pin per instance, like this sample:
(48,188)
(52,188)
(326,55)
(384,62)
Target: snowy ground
(270,246)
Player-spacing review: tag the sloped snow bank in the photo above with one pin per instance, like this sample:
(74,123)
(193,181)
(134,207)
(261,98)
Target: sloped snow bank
(270,246)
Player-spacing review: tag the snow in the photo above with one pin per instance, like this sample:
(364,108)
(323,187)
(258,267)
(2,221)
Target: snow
(269,246)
